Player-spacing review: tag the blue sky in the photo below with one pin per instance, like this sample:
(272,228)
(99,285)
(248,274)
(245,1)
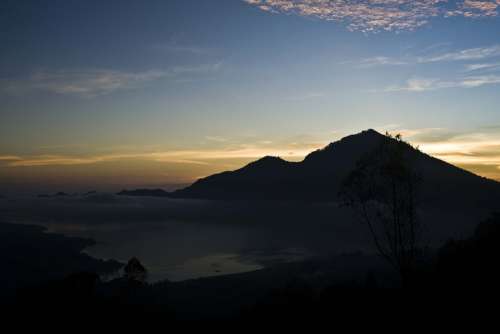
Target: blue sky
(163,92)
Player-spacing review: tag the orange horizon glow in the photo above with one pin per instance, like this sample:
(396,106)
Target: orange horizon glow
(478,153)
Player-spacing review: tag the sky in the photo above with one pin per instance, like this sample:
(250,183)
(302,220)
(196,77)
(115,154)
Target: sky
(122,94)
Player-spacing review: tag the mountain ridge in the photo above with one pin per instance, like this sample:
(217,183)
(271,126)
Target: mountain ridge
(320,174)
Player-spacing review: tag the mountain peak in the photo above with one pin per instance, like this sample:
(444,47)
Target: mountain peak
(365,134)
(266,161)
(370,132)
(353,144)
(320,175)
(270,158)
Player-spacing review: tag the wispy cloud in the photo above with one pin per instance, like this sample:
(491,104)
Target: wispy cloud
(482,67)
(92,83)
(464,55)
(466,74)
(9,157)
(249,151)
(379,61)
(417,85)
(380,15)
(429,84)
(477,150)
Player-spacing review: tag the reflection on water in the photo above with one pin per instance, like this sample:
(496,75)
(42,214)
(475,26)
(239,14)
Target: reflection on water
(169,250)
(182,239)
(210,265)
(184,250)
(179,239)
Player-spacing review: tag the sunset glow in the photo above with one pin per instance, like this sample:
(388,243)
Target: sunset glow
(182,97)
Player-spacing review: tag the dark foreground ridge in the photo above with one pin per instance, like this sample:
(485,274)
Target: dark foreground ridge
(319,177)
(286,293)
(30,256)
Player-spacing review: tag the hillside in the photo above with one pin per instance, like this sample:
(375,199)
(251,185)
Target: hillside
(320,174)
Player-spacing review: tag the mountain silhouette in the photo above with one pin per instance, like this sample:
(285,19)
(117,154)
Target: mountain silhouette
(321,173)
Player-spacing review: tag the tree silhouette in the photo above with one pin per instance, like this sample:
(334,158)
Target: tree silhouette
(383,190)
(135,271)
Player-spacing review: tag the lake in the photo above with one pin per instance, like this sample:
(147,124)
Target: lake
(185,239)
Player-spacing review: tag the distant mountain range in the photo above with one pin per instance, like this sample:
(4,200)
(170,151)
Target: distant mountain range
(320,174)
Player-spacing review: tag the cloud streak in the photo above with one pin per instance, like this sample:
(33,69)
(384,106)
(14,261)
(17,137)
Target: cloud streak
(469,75)
(482,67)
(464,55)
(430,84)
(196,157)
(380,61)
(477,150)
(93,83)
(9,157)
(380,15)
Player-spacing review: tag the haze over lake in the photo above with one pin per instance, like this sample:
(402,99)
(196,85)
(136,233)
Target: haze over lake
(184,239)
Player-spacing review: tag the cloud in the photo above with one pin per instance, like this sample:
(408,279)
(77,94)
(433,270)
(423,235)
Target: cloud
(464,55)
(477,81)
(421,134)
(380,15)
(429,84)
(477,150)
(93,83)
(417,85)
(468,75)
(466,150)
(9,157)
(197,157)
(475,9)
(482,67)
(379,61)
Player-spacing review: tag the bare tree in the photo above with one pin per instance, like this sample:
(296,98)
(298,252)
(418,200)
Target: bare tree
(383,190)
